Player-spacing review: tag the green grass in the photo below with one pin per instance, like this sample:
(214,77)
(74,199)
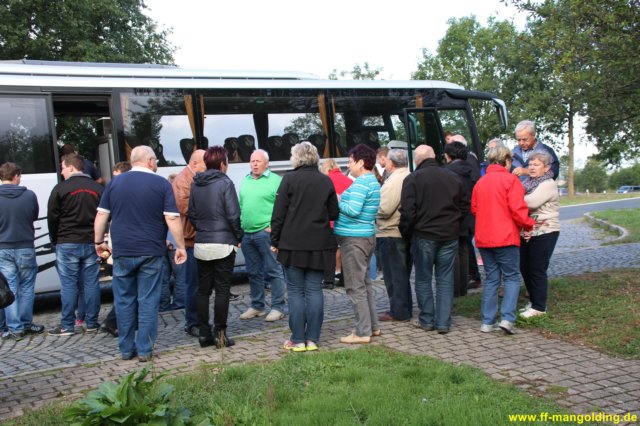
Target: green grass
(371,385)
(626,218)
(601,310)
(594,198)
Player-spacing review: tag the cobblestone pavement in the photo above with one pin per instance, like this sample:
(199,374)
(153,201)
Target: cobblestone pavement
(40,369)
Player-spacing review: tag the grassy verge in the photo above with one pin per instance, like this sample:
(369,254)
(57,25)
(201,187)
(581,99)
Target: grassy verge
(372,385)
(627,218)
(594,198)
(601,310)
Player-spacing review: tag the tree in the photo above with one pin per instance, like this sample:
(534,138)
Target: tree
(494,58)
(593,177)
(358,72)
(82,30)
(626,176)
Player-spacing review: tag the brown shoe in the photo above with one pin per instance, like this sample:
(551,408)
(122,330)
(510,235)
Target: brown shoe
(353,339)
(376,333)
(388,317)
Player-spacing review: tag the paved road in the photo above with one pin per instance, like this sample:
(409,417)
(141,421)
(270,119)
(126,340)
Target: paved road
(44,368)
(574,212)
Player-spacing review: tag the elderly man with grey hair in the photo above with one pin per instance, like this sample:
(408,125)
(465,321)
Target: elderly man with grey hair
(432,205)
(141,205)
(393,248)
(257,196)
(528,144)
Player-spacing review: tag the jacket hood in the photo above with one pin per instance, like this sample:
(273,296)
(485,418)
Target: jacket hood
(9,190)
(208,177)
(460,167)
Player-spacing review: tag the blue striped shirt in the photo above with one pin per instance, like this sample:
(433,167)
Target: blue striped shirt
(358,208)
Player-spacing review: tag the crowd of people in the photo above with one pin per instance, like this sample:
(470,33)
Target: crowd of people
(313,228)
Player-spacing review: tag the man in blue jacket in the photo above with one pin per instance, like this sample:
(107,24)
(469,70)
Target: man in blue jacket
(18,210)
(528,144)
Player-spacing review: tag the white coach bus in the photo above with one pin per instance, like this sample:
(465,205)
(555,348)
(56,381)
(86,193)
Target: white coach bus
(108,109)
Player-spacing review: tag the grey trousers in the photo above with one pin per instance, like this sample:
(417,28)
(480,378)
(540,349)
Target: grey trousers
(356,255)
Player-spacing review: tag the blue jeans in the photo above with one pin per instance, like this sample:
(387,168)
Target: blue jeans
(20,268)
(77,266)
(497,261)
(136,288)
(396,270)
(187,288)
(260,259)
(441,255)
(306,303)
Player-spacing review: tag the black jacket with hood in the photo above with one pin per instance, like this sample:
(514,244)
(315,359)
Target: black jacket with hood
(466,173)
(18,210)
(214,210)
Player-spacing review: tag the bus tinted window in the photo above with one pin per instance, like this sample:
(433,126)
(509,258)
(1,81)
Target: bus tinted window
(25,135)
(158,119)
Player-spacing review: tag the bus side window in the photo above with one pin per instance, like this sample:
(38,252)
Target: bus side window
(246,145)
(232,146)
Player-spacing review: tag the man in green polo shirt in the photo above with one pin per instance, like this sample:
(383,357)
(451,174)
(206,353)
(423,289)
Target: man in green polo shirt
(257,195)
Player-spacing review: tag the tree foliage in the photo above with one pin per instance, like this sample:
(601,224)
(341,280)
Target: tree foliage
(81,30)
(594,48)
(593,177)
(493,58)
(625,176)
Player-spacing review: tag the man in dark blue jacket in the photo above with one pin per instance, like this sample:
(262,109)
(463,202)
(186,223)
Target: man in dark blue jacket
(18,210)
(71,213)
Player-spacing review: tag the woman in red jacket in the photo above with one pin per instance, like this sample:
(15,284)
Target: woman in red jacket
(500,210)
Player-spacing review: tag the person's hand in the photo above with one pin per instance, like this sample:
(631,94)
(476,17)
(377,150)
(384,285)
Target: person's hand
(103,250)
(180,257)
(520,171)
(267,229)
(527,236)
(274,249)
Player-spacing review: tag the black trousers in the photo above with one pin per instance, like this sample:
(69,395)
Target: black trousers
(461,268)
(534,262)
(214,275)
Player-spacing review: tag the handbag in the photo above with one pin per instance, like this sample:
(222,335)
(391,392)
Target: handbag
(6,295)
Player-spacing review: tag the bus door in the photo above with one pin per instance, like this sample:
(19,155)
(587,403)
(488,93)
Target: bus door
(423,128)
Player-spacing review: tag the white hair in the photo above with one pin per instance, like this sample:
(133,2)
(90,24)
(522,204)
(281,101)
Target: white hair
(527,125)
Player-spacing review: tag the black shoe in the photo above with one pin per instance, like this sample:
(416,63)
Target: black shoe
(110,330)
(34,329)
(443,330)
(339,280)
(206,341)
(233,297)
(474,284)
(193,331)
(328,285)
(221,340)
(131,356)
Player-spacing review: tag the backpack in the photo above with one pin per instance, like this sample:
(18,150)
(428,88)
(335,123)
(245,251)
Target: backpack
(6,295)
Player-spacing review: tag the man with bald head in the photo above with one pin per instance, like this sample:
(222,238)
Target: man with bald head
(187,274)
(142,206)
(432,206)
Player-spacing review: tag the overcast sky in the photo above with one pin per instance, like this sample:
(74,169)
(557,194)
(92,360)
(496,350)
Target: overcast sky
(316,37)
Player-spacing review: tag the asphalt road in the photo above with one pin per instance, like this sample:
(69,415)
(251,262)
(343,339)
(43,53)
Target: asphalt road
(577,211)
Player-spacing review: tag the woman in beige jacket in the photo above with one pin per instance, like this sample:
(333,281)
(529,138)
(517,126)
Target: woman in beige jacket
(537,245)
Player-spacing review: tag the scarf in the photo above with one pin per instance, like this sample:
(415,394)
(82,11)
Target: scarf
(530,184)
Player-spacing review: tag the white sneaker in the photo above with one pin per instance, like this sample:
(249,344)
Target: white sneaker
(527,306)
(530,313)
(274,315)
(488,328)
(252,313)
(507,327)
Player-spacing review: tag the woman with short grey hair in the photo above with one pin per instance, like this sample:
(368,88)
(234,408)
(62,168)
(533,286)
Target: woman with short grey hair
(536,247)
(305,245)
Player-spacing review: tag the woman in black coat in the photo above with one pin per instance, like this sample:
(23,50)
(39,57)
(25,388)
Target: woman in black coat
(215,214)
(305,244)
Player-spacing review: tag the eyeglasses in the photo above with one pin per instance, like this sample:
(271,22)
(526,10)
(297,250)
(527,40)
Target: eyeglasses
(153,158)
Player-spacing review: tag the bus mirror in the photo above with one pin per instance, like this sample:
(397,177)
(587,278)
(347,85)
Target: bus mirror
(501,109)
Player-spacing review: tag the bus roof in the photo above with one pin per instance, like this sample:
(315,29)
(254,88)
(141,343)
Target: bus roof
(52,74)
